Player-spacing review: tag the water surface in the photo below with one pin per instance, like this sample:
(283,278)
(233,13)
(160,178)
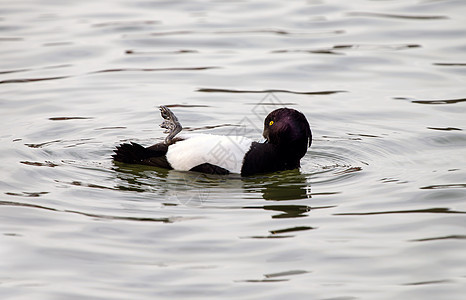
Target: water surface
(377,210)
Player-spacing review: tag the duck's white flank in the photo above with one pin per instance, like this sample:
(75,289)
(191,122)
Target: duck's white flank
(223,151)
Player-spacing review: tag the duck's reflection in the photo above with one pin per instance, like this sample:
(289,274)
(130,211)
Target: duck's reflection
(281,186)
(195,189)
(286,185)
(286,211)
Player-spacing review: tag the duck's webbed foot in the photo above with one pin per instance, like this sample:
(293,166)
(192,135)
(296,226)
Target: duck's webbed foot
(171,124)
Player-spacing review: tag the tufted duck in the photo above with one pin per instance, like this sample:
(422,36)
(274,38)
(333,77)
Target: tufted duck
(286,131)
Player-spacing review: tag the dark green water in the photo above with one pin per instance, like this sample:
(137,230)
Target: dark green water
(377,210)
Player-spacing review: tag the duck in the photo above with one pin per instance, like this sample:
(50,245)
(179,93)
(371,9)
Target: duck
(287,136)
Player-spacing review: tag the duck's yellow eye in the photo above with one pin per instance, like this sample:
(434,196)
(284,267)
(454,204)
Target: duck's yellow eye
(270,123)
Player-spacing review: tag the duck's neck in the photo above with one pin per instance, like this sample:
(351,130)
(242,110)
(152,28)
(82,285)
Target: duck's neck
(294,150)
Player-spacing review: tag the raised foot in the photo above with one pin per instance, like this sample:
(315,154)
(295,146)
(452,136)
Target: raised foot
(171,124)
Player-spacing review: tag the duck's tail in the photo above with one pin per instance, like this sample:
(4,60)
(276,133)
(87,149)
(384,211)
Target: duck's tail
(134,153)
(130,153)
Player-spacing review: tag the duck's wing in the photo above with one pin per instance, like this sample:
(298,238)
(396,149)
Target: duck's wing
(201,152)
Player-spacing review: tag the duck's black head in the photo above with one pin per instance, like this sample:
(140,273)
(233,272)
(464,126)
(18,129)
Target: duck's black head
(289,130)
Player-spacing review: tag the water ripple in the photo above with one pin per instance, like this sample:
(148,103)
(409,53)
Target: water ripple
(433,102)
(27,80)
(450,64)
(338,49)
(155,69)
(268,91)
(126,23)
(445,128)
(444,186)
(447,237)
(248,31)
(23,80)
(397,16)
(94,215)
(437,210)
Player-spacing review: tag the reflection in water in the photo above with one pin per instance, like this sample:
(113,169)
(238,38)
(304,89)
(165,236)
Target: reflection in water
(293,229)
(194,189)
(137,178)
(287,185)
(287,211)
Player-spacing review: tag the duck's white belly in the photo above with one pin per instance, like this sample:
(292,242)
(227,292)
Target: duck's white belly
(223,151)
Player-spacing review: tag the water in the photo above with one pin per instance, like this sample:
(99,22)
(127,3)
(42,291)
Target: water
(377,210)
